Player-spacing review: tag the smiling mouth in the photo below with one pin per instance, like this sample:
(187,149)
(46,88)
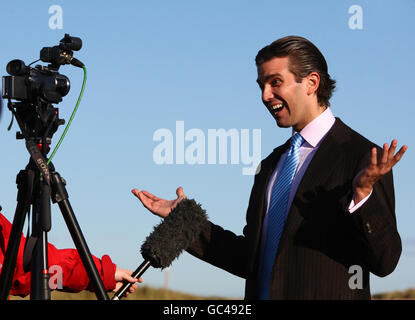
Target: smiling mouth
(277,107)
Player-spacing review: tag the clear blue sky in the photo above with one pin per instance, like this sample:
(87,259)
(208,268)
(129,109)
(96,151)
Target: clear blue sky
(151,64)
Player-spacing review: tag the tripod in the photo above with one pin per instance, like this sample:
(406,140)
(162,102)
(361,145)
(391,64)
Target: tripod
(37,191)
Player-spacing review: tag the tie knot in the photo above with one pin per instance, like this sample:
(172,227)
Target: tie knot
(297,140)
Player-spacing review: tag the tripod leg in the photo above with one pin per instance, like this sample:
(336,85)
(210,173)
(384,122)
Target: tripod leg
(24,182)
(60,196)
(40,271)
(41,225)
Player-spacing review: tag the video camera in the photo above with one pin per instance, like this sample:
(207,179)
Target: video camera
(26,83)
(37,88)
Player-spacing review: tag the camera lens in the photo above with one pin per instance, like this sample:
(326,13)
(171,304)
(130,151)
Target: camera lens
(62,84)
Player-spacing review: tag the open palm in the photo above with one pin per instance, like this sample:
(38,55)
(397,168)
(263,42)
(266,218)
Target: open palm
(158,206)
(366,178)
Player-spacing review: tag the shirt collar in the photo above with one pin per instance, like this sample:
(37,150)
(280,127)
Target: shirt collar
(314,132)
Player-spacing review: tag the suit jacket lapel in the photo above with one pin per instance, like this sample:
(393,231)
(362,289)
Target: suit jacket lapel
(321,166)
(325,159)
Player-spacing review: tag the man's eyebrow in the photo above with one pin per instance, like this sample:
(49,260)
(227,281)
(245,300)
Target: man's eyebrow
(269,77)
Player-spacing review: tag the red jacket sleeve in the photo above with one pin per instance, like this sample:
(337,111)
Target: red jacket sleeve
(66,269)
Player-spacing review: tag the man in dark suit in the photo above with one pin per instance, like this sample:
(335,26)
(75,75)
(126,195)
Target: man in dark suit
(321,212)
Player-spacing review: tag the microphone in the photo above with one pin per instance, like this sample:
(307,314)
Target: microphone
(168,239)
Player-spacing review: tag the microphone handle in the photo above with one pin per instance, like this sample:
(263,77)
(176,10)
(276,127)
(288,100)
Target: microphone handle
(136,274)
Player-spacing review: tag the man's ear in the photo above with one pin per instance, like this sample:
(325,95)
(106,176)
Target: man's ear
(313,81)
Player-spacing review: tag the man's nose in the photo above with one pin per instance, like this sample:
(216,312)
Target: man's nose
(267,94)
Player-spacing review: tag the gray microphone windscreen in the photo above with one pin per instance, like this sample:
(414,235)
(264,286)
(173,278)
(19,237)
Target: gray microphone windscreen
(174,234)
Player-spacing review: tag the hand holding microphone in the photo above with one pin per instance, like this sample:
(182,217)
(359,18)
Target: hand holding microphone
(122,276)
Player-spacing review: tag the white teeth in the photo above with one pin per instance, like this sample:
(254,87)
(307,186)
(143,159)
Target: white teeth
(277,107)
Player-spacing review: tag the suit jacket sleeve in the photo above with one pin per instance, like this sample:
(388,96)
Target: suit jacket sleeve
(221,248)
(375,223)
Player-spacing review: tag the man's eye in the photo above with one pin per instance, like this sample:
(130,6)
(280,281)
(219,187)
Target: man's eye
(276,82)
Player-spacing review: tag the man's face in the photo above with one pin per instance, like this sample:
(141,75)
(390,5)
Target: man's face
(285,98)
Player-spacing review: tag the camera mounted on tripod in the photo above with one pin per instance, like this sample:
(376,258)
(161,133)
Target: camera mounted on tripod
(34,90)
(38,88)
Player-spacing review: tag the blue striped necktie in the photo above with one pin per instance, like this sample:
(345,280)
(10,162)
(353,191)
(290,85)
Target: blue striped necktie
(277,213)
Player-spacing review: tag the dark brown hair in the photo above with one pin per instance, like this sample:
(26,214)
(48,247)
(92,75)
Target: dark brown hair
(304,58)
